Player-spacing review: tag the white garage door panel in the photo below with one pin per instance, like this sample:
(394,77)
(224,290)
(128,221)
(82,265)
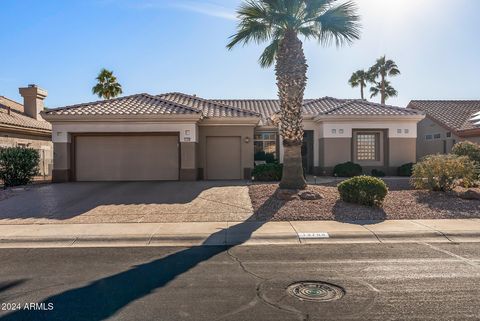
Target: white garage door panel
(126,158)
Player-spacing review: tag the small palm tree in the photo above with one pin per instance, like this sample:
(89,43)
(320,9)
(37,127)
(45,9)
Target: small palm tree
(281,23)
(386,90)
(382,69)
(360,79)
(107,86)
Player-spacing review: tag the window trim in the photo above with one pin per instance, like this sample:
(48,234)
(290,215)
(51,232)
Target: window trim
(379,147)
(275,140)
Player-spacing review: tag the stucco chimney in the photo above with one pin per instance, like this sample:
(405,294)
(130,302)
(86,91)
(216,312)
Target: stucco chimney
(33,97)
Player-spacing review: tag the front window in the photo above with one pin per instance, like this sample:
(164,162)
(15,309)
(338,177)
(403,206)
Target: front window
(265,144)
(367,146)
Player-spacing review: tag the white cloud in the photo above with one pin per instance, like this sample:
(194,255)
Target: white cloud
(208,8)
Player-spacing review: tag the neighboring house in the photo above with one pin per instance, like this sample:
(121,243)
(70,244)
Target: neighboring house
(447,122)
(181,137)
(22,125)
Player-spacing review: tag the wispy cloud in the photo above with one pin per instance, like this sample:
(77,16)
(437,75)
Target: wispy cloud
(208,8)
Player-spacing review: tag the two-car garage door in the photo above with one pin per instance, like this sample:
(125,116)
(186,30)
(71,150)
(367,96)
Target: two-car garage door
(126,157)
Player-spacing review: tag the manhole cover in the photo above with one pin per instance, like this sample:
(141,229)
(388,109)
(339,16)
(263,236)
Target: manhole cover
(315,291)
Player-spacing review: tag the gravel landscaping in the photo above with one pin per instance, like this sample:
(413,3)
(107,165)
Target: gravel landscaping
(402,202)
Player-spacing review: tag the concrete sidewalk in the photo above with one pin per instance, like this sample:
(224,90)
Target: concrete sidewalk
(234,233)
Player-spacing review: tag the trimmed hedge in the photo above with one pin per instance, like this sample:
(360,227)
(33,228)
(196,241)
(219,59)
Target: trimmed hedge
(348,169)
(268,172)
(405,170)
(377,173)
(18,165)
(363,190)
(444,172)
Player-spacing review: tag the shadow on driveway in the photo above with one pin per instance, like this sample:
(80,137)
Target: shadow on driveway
(104,297)
(114,199)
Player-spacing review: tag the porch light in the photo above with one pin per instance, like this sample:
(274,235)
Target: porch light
(247,140)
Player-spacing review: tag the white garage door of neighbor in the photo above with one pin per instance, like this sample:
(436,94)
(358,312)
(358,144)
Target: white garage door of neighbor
(126,158)
(224,158)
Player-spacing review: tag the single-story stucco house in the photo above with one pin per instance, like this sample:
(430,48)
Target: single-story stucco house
(21,125)
(183,137)
(446,123)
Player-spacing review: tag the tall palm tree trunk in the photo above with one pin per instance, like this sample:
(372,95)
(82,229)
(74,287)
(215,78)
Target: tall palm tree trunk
(291,71)
(361,91)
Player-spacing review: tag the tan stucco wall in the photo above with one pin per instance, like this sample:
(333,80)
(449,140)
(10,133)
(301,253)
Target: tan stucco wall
(61,156)
(232,131)
(402,151)
(334,151)
(427,147)
(188,155)
(41,143)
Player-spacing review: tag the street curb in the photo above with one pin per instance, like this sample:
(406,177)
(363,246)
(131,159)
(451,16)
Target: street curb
(238,239)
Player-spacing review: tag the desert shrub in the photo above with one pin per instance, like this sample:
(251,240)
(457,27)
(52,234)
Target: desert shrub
(469,149)
(268,172)
(347,169)
(444,172)
(405,170)
(364,190)
(18,165)
(377,173)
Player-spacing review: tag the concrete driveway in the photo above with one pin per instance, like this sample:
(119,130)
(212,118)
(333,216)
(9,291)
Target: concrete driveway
(132,202)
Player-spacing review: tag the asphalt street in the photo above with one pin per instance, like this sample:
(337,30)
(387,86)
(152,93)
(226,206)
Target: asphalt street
(437,281)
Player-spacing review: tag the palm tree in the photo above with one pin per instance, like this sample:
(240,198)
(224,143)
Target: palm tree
(281,23)
(360,78)
(387,90)
(382,69)
(107,86)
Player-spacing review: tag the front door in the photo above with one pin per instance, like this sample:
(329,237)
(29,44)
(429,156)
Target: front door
(307,152)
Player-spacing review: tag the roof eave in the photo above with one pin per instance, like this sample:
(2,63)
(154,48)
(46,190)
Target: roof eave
(417,117)
(120,118)
(223,121)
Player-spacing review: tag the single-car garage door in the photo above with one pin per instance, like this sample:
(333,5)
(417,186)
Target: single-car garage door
(126,158)
(224,158)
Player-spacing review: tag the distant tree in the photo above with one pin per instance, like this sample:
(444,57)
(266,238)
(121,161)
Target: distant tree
(360,79)
(107,86)
(382,69)
(386,90)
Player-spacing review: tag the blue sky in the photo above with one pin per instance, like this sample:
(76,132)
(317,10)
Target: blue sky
(158,46)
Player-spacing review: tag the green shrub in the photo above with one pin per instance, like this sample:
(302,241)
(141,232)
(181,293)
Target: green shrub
(347,169)
(405,170)
(18,165)
(268,172)
(364,190)
(377,173)
(469,149)
(267,157)
(270,158)
(444,172)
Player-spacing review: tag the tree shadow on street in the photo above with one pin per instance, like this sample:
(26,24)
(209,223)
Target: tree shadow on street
(104,297)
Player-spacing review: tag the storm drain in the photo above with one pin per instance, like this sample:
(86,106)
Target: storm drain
(316,291)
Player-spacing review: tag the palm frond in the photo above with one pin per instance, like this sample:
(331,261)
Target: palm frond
(339,24)
(269,54)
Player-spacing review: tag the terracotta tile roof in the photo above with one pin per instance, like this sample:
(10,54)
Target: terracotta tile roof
(11,115)
(365,108)
(141,104)
(321,106)
(456,115)
(210,108)
(7,102)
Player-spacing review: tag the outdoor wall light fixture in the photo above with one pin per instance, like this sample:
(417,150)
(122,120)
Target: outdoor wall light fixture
(247,140)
